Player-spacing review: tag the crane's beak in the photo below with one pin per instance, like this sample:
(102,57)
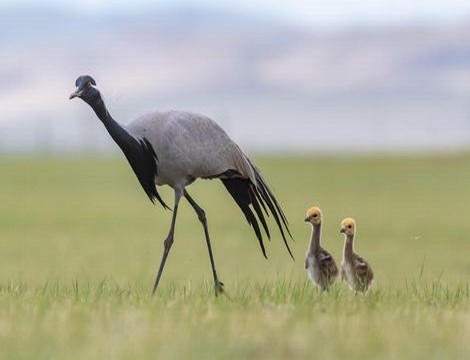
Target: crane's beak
(76,93)
(342,231)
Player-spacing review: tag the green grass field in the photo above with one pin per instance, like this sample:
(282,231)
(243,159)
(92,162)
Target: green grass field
(80,244)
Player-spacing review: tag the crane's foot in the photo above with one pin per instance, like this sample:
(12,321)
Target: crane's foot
(219,288)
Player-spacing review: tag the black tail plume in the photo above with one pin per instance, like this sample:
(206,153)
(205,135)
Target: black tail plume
(260,197)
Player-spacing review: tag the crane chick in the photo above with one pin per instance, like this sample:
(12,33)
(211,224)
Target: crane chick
(320,265)
(354,269)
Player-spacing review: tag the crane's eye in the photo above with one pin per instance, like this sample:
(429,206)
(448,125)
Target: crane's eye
(89,84)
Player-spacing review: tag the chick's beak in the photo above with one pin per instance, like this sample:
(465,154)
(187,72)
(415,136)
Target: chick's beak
(306,219)
(75,94)
(342,230)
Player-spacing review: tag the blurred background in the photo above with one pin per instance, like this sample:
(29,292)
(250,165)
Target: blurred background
(284,76)
(294,82)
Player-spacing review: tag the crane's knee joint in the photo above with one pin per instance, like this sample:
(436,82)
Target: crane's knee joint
(168,242)
(201,214)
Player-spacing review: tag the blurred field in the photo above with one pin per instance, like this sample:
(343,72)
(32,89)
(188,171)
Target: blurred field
(80,243)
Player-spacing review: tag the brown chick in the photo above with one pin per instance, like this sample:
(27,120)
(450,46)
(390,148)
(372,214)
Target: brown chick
(320,265)
(354,269)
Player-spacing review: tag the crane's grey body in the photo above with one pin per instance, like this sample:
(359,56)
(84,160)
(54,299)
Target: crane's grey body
(175,148)
(189,146)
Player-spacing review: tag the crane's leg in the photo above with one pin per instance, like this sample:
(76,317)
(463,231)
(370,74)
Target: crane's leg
(168,241)
(219,286)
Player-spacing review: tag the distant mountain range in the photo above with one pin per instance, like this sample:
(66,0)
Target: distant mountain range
(398,88)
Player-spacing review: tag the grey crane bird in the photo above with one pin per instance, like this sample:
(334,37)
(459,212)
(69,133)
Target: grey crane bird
(175,148)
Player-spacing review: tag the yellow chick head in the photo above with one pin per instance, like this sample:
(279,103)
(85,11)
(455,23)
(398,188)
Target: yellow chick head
(314,215)
(348,227)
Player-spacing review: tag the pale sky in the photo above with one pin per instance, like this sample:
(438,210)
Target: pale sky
(330,13)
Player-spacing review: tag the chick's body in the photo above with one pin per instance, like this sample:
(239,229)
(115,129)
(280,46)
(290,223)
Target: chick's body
(321,269)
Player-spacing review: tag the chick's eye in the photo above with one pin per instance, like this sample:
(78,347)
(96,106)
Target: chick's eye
(315,215)
(349,226)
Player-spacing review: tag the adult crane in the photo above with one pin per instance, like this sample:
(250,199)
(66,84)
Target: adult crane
(175,148)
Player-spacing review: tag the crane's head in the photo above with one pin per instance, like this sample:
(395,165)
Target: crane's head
(348,227)
(313,216)
(86,89)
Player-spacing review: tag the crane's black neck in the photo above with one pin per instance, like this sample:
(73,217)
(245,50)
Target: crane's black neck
(117,132)
(138,151)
